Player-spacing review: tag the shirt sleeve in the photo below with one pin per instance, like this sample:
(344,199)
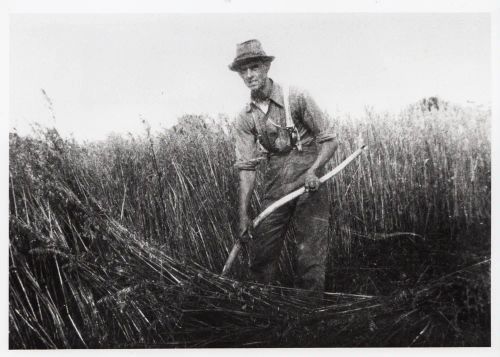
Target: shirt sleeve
(247,154)
(315,120)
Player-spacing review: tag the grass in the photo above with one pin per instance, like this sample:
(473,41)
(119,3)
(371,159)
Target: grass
(120,243)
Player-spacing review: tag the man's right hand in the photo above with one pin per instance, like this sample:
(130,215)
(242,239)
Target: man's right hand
(245,228)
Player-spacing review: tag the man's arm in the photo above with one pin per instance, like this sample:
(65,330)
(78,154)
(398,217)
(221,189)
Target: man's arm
(247,184)
(326,152)
(315,120)
(247,159)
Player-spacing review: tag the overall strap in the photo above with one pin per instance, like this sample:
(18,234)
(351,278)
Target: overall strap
(261,131)
(286,102)
(290,125)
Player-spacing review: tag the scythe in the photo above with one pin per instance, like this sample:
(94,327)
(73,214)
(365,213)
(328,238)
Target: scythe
(285,199)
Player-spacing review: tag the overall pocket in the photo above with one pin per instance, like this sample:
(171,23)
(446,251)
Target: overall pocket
(279,138)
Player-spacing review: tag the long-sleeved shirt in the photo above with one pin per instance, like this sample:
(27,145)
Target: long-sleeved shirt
(311,124)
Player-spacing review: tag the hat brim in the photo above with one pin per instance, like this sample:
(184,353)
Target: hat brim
(240,62)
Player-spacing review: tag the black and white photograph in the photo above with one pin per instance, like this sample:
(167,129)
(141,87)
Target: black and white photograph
(253,177)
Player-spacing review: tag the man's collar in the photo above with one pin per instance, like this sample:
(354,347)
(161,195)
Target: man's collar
(274,93)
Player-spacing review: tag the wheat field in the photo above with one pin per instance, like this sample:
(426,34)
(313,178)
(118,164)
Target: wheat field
(119,243)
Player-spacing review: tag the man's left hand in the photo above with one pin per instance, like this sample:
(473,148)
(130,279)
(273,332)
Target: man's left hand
(311,182)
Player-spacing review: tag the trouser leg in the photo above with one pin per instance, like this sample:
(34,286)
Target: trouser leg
(266,245)
(312,221)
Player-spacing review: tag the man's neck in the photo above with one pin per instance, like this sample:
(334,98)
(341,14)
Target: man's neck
(262,93)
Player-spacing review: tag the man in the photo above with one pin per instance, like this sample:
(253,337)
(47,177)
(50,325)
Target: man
(296,155)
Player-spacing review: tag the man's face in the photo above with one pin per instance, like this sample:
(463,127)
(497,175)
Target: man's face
(254,74)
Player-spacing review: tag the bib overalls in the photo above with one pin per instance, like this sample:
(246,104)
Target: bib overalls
(286,170)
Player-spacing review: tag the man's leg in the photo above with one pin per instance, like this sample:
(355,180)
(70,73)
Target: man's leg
(267,243)
(312,222)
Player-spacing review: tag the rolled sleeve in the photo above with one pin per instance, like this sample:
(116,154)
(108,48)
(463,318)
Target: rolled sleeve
(325,136)
(316,121)
(247,154)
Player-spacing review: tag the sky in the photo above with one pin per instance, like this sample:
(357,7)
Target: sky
(104,73)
